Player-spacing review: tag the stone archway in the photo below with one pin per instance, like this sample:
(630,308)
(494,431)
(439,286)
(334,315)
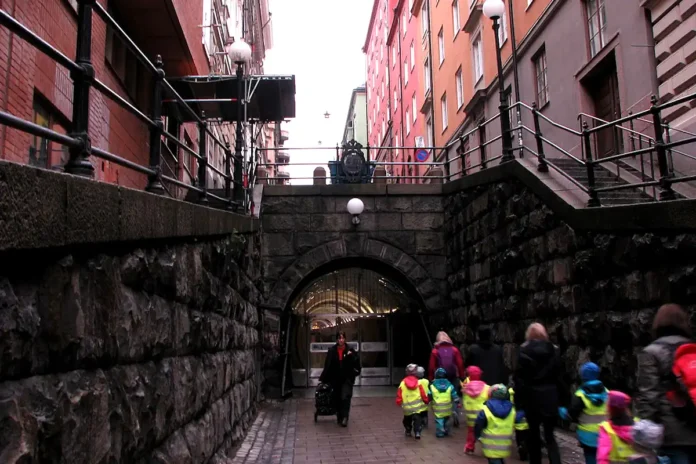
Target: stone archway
(429,289)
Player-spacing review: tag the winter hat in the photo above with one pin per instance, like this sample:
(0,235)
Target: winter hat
(440,373)
(411,369)
(589,371)
(618,402)
(499,392)
(420,372)
(474,373)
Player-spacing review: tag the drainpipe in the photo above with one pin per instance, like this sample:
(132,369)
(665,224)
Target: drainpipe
(516,77)
(432,81)
(401,92)
(6,99)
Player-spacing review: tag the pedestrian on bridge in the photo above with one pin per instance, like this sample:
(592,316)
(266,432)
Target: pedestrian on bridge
(341,367)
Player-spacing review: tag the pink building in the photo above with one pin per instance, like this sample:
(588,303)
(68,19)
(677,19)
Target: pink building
(377,56)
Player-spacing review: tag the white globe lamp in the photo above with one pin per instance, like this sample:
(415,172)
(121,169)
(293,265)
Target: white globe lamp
(239,51)
(493,9)
(355,207)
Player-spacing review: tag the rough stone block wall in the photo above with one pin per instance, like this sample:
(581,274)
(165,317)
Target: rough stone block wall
(129,355)
(512,261)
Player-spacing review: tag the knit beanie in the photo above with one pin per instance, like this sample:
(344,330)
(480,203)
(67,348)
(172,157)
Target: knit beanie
(618,402)
(420,372)
(440,373)
(589,371)
(411,369)
(499,392)
(474,373)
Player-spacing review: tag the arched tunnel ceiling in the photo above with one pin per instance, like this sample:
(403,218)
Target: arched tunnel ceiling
(350,291)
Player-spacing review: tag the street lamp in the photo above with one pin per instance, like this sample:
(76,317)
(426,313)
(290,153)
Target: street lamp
(355,207)
(240,54)
(494,9)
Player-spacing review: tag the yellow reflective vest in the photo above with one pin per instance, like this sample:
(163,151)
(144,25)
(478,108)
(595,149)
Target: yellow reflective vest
(621,451)
(426,386)
(412,403)
(522,425)
(442,402)
(496,438)
(474,405)
(592,415)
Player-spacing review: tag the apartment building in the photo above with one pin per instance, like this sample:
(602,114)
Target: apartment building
(377,64)
(189,36)
(356,119)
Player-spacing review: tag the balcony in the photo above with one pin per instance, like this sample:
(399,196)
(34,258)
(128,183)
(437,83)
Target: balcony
(475,13)
(283,157)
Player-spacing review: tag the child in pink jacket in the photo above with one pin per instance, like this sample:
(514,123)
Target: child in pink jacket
(615,444)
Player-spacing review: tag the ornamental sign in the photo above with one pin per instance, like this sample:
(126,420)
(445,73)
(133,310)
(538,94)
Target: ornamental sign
(353,161)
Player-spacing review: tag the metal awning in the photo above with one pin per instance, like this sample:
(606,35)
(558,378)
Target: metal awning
(271,98)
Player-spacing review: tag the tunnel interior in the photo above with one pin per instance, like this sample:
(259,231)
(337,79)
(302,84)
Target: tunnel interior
(378,309)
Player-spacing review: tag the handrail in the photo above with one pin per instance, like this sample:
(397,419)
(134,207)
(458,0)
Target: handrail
(550,121)
(618,126)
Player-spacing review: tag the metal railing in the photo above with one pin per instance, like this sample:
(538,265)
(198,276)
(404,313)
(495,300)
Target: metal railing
(78,140)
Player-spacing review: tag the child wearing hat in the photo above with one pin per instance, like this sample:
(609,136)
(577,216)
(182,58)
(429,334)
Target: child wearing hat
(615,438)
(474,396)
(420,373)
(588,409)
(443,396)
(495,425)
(412,398)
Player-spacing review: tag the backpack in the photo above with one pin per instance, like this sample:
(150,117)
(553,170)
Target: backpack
(445,357)
(682,378)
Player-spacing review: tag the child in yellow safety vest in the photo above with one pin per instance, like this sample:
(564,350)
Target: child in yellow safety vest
(420,373)
(615,440)
(412,398)
(495,425)
(443,396)
(521,431)
(589,409)
(474,395)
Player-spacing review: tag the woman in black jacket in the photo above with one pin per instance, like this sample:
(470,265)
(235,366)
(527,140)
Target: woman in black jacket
(537,381)
(341,367)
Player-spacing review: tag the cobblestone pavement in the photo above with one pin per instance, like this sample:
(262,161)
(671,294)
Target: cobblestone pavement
(286,433)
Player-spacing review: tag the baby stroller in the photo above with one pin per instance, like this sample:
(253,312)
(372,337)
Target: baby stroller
(323,401)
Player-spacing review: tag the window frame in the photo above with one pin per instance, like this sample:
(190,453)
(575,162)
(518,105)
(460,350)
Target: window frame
(426,69)
(459,85)
(539,57)
(477,57)
(599,14)
(408,121)
(41,106)
(502,30)
(443,112)
(456,22)
(441,45)
(406,72)
(414,106)
(413,55)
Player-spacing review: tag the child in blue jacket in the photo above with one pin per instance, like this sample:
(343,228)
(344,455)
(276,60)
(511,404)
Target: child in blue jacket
(495,425)
(443,395)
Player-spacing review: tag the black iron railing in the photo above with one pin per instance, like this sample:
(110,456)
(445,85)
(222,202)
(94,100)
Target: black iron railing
(79,142)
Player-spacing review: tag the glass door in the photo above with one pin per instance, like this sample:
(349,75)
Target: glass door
(374,351)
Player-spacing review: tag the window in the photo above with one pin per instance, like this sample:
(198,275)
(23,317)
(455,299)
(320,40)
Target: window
(424,18)
(404,24)
(429,129)
(542,83)
(408,122)
(426,73)
(396,100)
(455,18)
(42,152)
(405,72)
(413,107)
(502,30)
(393,56)
(441,45)
(413,56)
(382,90)
(477,58)
(443,108)
(460,87)
(597,24)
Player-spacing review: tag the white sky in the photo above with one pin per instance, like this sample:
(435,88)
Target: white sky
(320,42)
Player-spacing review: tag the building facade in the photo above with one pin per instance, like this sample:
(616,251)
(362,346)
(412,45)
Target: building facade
(377,84)
(356,119)
(39,90)
(599,68)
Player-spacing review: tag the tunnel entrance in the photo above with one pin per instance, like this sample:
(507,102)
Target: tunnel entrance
(381,319)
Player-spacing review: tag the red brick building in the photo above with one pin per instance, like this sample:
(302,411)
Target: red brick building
(35,88)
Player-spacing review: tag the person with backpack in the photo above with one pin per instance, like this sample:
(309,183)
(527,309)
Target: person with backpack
(448,357)
(666,383)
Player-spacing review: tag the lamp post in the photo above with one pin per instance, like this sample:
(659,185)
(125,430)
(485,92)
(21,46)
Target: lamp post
(494,9)
(240,53)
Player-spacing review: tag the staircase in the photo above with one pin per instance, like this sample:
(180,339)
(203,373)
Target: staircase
(603,178)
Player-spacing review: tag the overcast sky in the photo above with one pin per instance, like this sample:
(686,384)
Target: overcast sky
(320,42)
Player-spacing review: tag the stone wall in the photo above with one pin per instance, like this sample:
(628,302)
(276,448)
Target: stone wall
(511,260)
(127,354)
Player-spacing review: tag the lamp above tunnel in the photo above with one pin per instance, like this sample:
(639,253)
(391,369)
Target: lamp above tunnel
(493,8)
(239,51)
(355,207)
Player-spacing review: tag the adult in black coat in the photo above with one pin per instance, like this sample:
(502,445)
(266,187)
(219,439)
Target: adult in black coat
(538,382)
(341,367)
(488,357)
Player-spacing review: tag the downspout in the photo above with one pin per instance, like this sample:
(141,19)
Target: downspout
(516,77)
(401,91)
(432,80)
(6,89)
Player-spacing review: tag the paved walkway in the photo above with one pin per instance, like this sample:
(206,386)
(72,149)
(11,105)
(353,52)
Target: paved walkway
(286,433)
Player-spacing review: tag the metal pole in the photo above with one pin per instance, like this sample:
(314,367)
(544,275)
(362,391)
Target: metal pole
(238,192)
(542,167)
(154,184)
(203,162)
(666,192)
(503,108)
(228,171)
(79,163)
(594,198)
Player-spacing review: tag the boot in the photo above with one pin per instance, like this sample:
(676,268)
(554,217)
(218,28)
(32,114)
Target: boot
(344,422)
